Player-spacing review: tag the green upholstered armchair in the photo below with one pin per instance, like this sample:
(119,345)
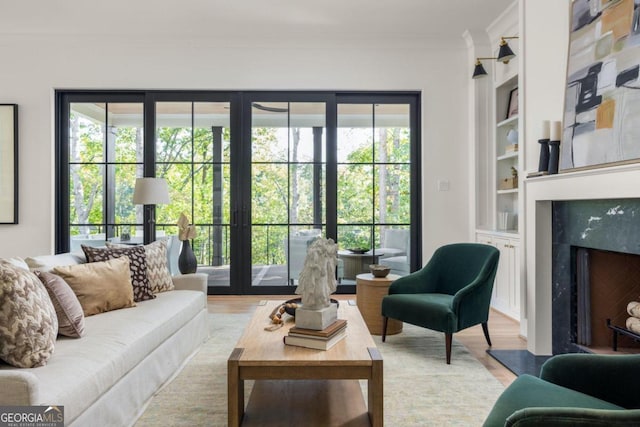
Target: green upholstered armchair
(573,390)
(451,293)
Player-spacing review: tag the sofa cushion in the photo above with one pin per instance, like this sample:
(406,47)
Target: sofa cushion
(28,322)
(18,262)
(100,286)
(528,391)
(137,266)
(433,311)
(66,304)
(48,262)
(157,265)
(81,371)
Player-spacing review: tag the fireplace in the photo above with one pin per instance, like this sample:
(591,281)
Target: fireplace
(595,273)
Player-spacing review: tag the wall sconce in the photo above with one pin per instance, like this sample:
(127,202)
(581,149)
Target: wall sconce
(479,70)
(505,54)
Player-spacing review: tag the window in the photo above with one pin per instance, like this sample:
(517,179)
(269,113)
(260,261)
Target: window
(260,174)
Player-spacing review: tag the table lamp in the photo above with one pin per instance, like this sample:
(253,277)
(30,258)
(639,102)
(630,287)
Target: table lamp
(150,192)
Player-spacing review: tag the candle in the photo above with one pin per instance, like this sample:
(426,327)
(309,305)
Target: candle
(545,129)
(556,131)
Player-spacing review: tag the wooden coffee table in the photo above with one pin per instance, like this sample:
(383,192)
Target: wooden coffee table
(263,356)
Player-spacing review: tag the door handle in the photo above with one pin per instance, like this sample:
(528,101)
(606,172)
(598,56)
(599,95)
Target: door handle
(245,217)
(234,218)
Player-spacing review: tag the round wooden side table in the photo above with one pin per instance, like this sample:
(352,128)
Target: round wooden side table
(369,293)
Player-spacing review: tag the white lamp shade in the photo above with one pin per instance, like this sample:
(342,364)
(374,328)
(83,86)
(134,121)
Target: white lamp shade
(151,191)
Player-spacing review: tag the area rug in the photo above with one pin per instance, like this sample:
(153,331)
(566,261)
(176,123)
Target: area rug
(420,389)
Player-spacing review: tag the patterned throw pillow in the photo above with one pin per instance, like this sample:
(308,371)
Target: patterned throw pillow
(157,269)
(137,265)
(28,322)
(66,304)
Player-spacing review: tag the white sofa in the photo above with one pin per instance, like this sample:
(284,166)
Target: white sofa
(106,377)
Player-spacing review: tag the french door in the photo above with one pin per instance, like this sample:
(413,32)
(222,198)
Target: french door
(260,174)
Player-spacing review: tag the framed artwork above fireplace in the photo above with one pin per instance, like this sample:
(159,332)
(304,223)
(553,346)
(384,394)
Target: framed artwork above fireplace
(602,93)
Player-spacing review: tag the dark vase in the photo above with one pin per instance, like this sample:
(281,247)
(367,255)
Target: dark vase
(187,262)
(543,165)
(554,156)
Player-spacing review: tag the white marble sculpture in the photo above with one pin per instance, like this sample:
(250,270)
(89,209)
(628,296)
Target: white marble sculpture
(317,280)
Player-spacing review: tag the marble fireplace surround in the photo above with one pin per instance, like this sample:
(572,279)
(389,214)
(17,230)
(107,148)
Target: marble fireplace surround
(611,225)
(619,182)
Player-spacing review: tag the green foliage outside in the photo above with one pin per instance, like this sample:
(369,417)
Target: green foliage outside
(282,189)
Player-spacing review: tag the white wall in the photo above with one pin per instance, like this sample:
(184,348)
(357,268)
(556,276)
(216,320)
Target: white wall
(34,66)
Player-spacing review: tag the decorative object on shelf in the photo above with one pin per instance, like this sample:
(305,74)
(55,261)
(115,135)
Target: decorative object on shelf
(554,156)
(600,120)
(9,163)
(512,136)
(504,220)
(513,103)
(150,192)
(509,183)
(187,262)
(543,163)
(379,270)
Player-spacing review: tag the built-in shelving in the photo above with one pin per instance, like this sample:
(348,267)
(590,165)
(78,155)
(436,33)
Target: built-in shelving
(499,160)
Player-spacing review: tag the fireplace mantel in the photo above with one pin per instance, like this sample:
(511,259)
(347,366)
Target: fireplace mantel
(618,182)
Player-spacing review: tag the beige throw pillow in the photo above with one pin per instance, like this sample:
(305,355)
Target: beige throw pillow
(137,266)
(28,322)
(100,286)
(66,304)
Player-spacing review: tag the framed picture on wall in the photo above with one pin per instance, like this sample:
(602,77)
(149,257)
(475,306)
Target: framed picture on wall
(601,123)
(512,109)
(8,164)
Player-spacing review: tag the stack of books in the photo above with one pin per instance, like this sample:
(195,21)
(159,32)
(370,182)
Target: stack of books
(511,148)
(320,340)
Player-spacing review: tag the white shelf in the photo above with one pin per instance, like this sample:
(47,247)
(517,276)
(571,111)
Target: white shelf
(506,156)
(508,121)
(509,191)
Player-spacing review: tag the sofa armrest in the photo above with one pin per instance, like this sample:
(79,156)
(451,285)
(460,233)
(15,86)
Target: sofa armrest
(192,282)
(613,378)
(543,417)
(19,387)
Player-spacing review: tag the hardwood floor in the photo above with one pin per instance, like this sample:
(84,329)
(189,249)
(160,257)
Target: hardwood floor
(503,330)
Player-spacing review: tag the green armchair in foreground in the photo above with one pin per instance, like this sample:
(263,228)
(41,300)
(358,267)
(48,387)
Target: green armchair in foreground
(451,293)
(573,390)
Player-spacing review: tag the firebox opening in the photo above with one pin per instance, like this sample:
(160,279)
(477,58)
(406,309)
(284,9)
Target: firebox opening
(605,283)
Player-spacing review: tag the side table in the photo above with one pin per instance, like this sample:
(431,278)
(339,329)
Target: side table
(369,293)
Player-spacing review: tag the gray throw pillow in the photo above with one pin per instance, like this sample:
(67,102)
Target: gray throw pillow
(66,304)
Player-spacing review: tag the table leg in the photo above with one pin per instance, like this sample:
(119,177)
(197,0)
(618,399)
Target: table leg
(375,390)
(235,389)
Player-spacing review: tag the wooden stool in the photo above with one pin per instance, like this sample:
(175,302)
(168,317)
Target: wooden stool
(369,293)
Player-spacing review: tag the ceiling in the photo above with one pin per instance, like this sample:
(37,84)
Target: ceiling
(435,20)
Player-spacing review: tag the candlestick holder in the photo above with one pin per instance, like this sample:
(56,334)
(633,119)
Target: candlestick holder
(554,156)
(543,164)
